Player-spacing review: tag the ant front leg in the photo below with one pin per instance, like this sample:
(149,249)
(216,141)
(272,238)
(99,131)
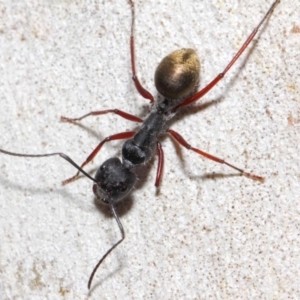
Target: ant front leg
(142,91)
(118,136)
(184,143)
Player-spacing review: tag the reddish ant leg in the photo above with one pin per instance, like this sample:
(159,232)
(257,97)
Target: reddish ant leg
(160,165)
(220,76)
(142,91)
(118,136)
(121,113)
(183,142)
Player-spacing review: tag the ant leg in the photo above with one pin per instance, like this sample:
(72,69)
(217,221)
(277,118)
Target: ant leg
(118,136)
(183,142)
(160,165)
(206,89)
(142,91)
(121,113)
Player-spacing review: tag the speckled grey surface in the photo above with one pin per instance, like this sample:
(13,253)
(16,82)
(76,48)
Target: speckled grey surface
(207,234)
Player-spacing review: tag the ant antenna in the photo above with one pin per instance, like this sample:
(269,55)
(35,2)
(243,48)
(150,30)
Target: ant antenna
(64,156)
(116,216)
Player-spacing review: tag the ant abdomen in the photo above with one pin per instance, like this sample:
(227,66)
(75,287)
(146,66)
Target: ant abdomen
(177,75)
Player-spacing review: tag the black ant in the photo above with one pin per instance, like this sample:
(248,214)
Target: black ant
(176,79)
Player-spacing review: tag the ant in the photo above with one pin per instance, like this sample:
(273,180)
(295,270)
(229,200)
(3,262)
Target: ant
(176,79)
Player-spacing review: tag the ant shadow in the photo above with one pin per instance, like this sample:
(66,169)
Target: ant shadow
(23,187)
(104,279)
(122,207)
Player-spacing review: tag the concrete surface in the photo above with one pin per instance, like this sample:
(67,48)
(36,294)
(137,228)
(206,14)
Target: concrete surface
(208,233)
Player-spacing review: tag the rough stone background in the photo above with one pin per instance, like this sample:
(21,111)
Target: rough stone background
(208,233)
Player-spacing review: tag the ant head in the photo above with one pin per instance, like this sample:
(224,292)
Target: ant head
(113,181)
(177,75)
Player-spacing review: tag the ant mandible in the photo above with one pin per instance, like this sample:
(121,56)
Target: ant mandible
(176,79)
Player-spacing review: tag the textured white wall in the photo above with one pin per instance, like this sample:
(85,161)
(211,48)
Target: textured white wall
(208,233)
